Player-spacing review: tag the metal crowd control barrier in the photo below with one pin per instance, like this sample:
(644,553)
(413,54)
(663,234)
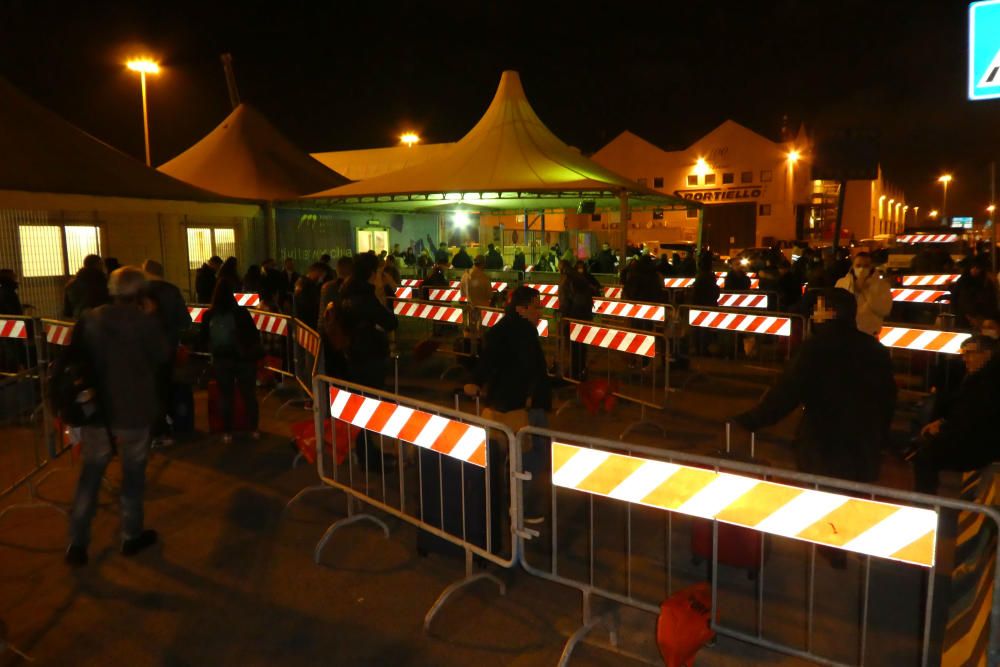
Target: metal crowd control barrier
(748,299)
(276,334)
(248,299)
(613,510)
(644,379)
(440,323)
(548,294)
(306,354)
(930,280)
(921,296)
(548,330)
(455,483)
(921,350)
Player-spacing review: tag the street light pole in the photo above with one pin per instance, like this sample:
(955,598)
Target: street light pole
(144,66)
(944,179)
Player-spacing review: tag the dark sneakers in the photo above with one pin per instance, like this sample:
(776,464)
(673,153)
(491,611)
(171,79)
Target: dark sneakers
(146,538)
(76,555)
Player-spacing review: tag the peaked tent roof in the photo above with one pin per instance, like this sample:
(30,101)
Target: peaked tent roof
(507,155)
(44,153)
(246,156)
(370,162)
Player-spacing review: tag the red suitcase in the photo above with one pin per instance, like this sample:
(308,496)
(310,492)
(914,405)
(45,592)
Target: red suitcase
(738,547)
(304,439)
(240,422)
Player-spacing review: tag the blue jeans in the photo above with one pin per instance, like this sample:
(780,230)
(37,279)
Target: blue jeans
(133,449)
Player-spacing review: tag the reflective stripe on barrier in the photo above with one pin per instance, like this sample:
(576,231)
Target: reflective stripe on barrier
(544,289)
(723,274)
(404,293)
(613,339)
(428,311)
(495,286)
(307,339)
(440,434)
(196,313)
(548,301)
(13,329)
(930,280)
(445,295)
(929,340)
(927,238)
(58,334)
(489,318)
(411,282)
(709,319)
(249,300)
(612,292)
(678,282)
(271,324)
(743,300)
(918,295)
(754,283)
(897,532)
(638,311)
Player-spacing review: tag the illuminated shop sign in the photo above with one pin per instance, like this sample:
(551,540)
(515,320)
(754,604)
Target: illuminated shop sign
(709,195)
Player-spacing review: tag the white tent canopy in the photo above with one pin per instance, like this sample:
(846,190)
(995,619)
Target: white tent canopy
(246,156)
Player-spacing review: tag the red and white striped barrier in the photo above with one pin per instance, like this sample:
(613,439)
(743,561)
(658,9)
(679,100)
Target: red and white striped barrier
(427,311)
(411,282)
(678,282)
(58,334)
(13,329)
(308,340)
(929,340)
(445,295)
(249,300)
(613,339)
(544,289)
(550,302)
(404,293)
(612,292)
(930,280)
(743,300)
(491,317)
(710,319)
(196,313)
(270,324)
(918,295)
(754,283)
(723,274)
(495,286)
(464,442)
(927,238)
(638,311)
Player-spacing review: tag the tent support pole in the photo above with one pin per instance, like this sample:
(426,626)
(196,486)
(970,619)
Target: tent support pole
(701,231)
(623,218)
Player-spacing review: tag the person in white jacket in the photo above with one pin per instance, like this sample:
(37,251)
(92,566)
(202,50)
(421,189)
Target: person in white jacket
(871,292)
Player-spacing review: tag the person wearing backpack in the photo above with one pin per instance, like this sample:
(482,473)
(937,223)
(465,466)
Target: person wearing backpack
(576,301)
(121,346)
(236,348)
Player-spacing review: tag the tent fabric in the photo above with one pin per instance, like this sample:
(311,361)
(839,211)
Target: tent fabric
(246,156)
(370,162)
(42,152)
(509,150)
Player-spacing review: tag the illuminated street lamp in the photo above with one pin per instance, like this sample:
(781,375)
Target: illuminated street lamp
(144,66)
(793,156)
(944,179)
(409,138)
(933,214)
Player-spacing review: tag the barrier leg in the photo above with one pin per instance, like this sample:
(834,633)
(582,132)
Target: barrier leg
(346,521)
(642,421)
(589,623)
(469,578)
(7,646)
(306,491)
(33,500)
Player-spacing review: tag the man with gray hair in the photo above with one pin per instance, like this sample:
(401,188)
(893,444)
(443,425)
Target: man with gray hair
(125,347)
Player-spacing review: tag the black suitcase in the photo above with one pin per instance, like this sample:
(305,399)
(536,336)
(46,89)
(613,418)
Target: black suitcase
(181,409)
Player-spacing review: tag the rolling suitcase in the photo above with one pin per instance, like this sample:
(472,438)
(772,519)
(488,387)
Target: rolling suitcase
(738,547)
(240,422)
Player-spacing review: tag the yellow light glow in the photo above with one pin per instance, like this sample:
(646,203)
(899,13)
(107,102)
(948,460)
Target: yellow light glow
(409,138)
(701,167)
(143,65)
(793,156)
(933,213)
(891,202)
(881,199)
(944,178)
(462,219)
(991,208)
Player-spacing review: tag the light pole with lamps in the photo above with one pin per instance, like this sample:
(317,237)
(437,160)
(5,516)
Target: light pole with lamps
(144,66)
(944,179)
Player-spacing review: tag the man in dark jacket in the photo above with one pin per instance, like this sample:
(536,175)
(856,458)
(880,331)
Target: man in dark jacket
(975,291)
(305,302)
(462,260)
(843,378)
(736,276)
(605,260)
(87,289)
(494,260)
(124,347)
(10,302)
(441,255)
(172,314)
(966,437)
(204,279)
(367,321)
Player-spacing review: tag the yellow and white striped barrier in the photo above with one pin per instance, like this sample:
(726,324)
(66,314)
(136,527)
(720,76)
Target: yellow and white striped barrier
(863,526)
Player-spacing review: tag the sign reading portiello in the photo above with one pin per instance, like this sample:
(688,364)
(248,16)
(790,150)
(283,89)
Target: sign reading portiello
(735,193)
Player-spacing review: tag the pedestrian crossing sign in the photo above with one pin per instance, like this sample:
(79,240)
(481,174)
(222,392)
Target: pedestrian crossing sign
(984,50)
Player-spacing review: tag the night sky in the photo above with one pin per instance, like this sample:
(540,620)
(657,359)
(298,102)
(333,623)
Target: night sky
(338,76)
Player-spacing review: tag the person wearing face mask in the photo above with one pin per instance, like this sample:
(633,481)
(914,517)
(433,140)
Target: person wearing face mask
(874,298)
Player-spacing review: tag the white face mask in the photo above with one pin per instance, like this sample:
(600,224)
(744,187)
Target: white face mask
(861,272)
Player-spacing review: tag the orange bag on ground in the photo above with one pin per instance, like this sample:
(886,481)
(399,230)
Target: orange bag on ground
(304,436)
(683,625)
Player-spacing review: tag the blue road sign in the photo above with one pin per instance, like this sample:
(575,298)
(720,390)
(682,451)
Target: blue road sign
(984,50)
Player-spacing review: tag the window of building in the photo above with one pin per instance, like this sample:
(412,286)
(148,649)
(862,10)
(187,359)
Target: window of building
(595,217)
(203,242)
(709,179)
(657,214)
(41,251)
(657,182)
(746,177)
(80,242)
(692,213)
(764,209)
(728,177)
(765,175)
(692,179)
